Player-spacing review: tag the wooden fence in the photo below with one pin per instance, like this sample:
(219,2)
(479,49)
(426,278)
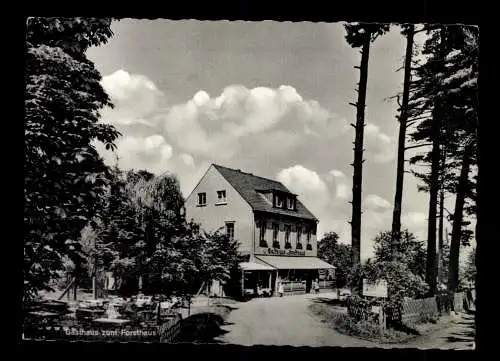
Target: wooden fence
(414,310)
(170,329)
(324,285)
(458,302)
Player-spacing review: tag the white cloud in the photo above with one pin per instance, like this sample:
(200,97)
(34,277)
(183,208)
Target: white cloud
(343,191)
(259,129)
(380,147)
(337,173)
(414,219)
(375,202)
(311,189)
(134,96)
(342,184)
(215,127)
(187,159)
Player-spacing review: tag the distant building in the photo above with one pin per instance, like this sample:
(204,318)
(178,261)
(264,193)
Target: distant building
(274,229)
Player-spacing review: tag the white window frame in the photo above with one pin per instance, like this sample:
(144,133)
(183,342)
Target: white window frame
(227,229)
(221,200)
(205,196)
(278,202)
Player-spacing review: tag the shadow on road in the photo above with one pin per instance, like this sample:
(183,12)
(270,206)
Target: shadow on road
(326,300)
(202,327)
(458,339)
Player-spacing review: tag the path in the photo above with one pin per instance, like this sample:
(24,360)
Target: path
(287,321)
(457,336)
(283,321)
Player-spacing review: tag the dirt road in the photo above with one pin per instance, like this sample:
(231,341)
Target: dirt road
(283,321)
(287,321)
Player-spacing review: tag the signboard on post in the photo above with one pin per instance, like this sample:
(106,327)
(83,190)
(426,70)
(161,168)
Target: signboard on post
(377,289)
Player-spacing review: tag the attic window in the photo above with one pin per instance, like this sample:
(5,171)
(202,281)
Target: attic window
(202,199)
(278,202)
(290,203)
(221,197)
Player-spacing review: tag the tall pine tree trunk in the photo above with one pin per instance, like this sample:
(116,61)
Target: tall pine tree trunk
(430,270)
(441,215)
(357,179)
(440,234)
(436,129)
(403,118)
(456,232)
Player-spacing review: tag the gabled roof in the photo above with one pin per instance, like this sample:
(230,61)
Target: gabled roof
(249,187)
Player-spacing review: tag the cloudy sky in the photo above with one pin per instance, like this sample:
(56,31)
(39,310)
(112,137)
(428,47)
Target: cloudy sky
(266,97)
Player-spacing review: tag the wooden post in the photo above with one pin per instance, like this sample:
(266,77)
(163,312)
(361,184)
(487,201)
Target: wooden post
(242,283)
(381,320)
(270,279)
(94,288)
(75,290)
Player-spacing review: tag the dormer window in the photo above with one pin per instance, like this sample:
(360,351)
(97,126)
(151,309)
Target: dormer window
(290,203)
(278,202)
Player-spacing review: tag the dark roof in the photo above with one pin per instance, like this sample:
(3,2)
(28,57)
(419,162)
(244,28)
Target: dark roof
(249,186)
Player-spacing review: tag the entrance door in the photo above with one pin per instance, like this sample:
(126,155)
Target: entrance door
(308,282)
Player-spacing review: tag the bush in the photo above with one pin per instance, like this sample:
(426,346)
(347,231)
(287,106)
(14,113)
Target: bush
(288,245)
(276,244)
(369,330)
(298,246)
(401,283)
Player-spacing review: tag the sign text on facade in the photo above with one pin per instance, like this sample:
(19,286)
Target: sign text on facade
(285,252)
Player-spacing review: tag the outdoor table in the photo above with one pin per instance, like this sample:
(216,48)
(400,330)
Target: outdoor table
(110,322)
(89,312)
(44,314)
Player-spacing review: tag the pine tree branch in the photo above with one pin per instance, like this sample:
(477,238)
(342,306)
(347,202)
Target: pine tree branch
(418,146)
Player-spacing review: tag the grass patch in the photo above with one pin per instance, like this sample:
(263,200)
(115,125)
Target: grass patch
(366,330)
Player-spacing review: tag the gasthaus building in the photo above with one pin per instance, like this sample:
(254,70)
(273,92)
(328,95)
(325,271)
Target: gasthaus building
(275,230)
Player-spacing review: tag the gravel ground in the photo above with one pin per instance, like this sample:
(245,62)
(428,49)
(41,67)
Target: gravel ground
(286,321)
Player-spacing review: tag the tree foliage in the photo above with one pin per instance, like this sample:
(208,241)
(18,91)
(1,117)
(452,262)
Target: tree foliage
(403,270)
(443,109)
(408,250)
(64,175)
(337,254)
(143,235)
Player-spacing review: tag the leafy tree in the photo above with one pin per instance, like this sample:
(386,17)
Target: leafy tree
(360,35)
(64,175)
(409,250)
(469,271)
(401,282)
(337,254)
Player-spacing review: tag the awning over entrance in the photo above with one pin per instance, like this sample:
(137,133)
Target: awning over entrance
(252,266)
(283,262)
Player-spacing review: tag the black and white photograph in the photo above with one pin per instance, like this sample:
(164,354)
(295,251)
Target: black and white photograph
(250,182)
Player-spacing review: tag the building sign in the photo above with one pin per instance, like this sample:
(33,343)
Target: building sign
(86,333)
(377,289)
(285,252)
